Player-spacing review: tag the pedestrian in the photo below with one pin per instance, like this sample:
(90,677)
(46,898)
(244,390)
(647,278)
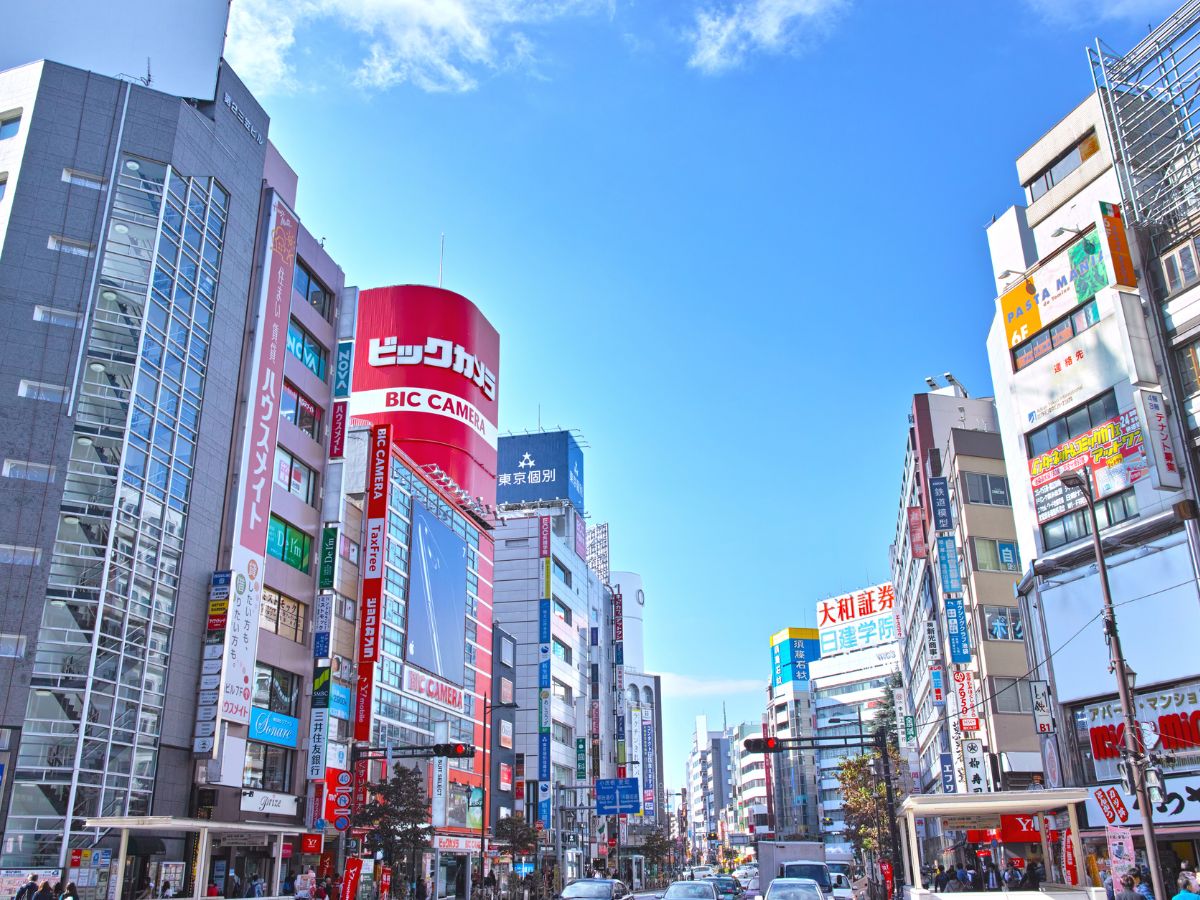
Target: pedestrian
(993,877)
(289,883)
(27,890)
(422,889)
(233,884)
(1186,868)
(305,884)
(165,890)
(1127,891)
(45,892)
(1185,888)
(71,892)
(1033,875)
(212,890)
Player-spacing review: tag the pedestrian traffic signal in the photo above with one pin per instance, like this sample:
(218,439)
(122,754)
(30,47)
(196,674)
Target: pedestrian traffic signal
(454,751)
(762,745)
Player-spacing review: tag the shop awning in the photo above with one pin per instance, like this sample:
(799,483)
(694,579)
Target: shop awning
(994,803)
(203,828)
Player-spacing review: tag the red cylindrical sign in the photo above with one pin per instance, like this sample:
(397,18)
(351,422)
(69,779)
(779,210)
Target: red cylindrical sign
(427,361)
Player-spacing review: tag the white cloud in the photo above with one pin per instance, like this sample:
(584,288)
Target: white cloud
(1082,13)
(724,36)
(437,45)
(680,686)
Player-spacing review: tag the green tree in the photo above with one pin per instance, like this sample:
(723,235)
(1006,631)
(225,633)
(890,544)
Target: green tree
(518,834)
(397,815)
(864,802)
(655,846)
(886,716)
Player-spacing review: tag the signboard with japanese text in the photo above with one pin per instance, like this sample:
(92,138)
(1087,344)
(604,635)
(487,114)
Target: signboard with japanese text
(933,645)
(937,685)
(956,630)
(792,649)
(649,773)
(343,369)
(1112,455)
(581,758)
(1120,849)
(544,532)
(329,542)
(939,499)
(318,736)
(322,623)
(951,577)
(379,455)
(339,420)
(542,466)
(1170,718)
(1165,474)
(916,531)
(968,709)
(1096,259)
(975,763)
(1108,804)
(426,361)
(1043,713)
(857,620)
(580,536)
(362,701)
(252,505)
(949,785)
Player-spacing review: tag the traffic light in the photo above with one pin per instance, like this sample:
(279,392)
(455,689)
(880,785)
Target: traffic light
(454,751)
(826,821)
(1125,767)
(762,745)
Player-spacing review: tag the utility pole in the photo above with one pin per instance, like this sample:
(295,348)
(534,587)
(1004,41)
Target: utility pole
(1135,759)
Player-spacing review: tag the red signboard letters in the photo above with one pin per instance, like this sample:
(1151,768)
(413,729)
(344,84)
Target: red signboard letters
(337,429)
(362,702)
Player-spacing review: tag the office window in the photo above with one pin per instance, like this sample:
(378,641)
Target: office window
(508,652)
(275,689)
(53,316)
(1011,695)
(1055,335)
(561,610)
(1076,525)
(12,645)
(82,179)
(996,556)
(1003,623)
(281,615)
(68,245)
(1063,166)
(41,390)
(289,544)
(350,550)
(28,471)
(300,411)
(305,283)
(563,573)
(1179,266)
(10,124)
(1189,368)
(295,477)
(344,607)
(1072,424)
(991,490)
(561,650)
(305,348)
(561,691)
(561,733)
(14,555)
(267,768)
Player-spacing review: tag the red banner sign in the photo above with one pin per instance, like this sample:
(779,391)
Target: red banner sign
(337,429)
(350,879)
(312,843)
(916,531)
(378,482)
(362,702)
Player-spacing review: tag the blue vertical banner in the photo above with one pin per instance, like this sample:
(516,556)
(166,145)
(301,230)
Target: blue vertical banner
(948,568)
(947,767)
(343,369)
(956,630)
(544,756)
(939,499)
(544,621)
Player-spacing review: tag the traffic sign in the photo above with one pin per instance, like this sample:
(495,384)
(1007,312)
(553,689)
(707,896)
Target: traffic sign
(618,796)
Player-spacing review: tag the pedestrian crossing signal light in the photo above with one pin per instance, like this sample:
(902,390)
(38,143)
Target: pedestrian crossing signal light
(454,751)
(762,745)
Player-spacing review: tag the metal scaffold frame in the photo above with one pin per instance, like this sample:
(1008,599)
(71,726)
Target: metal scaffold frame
(1151,99)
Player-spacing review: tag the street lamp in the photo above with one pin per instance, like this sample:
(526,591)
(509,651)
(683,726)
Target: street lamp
(1081,483)
(488,709)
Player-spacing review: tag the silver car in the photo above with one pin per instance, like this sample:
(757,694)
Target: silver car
(794,889)
(690,890)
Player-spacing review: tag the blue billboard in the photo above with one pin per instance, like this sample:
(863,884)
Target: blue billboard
(618,796)
(791,652)
(948,563)
(547,465)
(956,629)
(947,767)
(273,728)
(437,597)
(341,701)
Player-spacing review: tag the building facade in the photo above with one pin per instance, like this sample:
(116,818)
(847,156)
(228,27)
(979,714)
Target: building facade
(708,789)
(791,798)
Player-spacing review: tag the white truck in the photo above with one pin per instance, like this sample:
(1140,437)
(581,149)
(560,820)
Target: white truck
(841,868)
(793,859)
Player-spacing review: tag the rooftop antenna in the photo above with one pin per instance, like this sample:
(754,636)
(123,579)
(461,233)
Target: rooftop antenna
(441,259)
(148,76)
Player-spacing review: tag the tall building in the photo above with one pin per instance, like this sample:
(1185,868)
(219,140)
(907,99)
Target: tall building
(791,800)
(858,641)
(1089,355)
(745,816)
(708,789)
(955,562)
(136,241)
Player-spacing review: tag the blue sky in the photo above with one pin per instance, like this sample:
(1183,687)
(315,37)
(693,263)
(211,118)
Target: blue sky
(726,242)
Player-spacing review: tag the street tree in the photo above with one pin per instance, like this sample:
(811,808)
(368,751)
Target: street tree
(396,817)
(518,834)
(655,847)
(864,803)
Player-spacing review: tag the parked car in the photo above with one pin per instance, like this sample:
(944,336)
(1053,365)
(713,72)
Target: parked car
(596,889)
(690,890)
(794,889)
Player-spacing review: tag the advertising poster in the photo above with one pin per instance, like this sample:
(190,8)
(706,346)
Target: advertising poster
(649,772)
(1166,474)
(916,531)
(437,598)
(856,620)
(543,466)
(253,505)
(1112,455)
(378,488)
(426,360)
(792,649)
(1120,849)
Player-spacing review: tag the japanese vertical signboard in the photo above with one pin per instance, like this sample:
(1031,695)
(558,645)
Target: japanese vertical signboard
(543,536)
(1043,716)
(209,700)
(975,766)
(543,700)
(649,772)
(581,759)
(956,630)
(939,499)
(949,785)
(948,564)
(859,619)
(1165,474)
(937,685)
(964,689)
(329,541)
(916,531)
(379,457)
(252,508)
